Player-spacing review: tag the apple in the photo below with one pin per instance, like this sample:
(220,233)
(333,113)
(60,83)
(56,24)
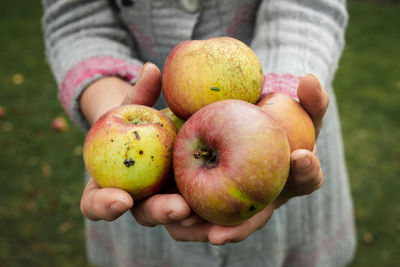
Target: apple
(59,124)
(199,72)
(292,117)
(178,122)
(231,159)
(130,147)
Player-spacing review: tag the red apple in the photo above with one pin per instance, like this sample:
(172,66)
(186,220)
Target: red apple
(130,147)
(199,72)
(59,124)
(292,117)
(230,161)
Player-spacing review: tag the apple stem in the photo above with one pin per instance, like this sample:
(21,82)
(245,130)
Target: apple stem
(208,155)
(202,153)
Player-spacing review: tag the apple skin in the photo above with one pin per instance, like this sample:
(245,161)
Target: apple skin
(130,147)
(230,161)
(199,72)
(59,124)
(292,117)
(178,122)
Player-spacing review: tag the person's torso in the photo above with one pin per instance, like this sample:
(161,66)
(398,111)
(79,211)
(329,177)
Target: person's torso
(158,25)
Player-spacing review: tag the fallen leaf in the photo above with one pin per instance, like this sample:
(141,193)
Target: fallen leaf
(46,170)
(18,78)
(8,126)
(397,85)
(65,227)
(368,238)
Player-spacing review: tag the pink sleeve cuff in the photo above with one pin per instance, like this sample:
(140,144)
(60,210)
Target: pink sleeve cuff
(89,70)
(282,83)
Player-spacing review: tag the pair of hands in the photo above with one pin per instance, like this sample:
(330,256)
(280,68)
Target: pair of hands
(171,210)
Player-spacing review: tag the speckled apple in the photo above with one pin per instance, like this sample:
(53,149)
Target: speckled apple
(130,147)
(199,72)
(292,117)
(230,161)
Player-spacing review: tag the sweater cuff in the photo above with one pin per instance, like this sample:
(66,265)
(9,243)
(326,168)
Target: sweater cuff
(281,83)
(86,72)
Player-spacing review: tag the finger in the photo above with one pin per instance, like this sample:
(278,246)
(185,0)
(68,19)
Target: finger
(306,173)
(305,176)
(147,88)
(195,233)
(104,203)
(314,98)
(161,209)
(220,234)
(191,220)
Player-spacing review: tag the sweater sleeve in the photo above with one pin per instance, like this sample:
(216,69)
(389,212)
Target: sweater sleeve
(293,38)
(84,42)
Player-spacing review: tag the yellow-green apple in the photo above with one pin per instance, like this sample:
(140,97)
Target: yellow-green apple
(230,160)
(59,124)
(178,122)
(130,147)
(292,117)
(199,72)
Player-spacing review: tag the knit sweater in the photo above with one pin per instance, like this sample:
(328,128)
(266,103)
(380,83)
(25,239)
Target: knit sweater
(87,40)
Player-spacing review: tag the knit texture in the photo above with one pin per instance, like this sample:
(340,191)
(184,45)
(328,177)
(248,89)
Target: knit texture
(86,40)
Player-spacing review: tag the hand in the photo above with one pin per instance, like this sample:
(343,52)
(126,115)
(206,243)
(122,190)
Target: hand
(104,94)
(110,92)
(306,176)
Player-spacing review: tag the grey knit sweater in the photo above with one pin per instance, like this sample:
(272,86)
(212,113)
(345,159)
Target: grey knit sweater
(89,39)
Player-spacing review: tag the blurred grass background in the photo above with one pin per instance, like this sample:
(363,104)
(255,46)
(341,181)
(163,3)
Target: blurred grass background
(41,170)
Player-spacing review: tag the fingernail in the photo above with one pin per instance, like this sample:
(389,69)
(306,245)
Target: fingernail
(190,221)
(141,70)
(302,162)
(173,215)
(118,207)
(187,222)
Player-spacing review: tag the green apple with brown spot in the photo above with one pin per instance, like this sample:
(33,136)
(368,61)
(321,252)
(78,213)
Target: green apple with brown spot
(231,159)
(199,72)
(130,148)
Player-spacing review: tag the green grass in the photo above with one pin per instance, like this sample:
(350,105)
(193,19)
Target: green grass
(368,91)
(41,170)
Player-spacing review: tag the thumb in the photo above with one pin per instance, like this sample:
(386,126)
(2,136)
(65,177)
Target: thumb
(147,88)
(314,98)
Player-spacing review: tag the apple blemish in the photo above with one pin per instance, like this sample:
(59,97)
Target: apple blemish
(129,162)
(136,135)
(215,88)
